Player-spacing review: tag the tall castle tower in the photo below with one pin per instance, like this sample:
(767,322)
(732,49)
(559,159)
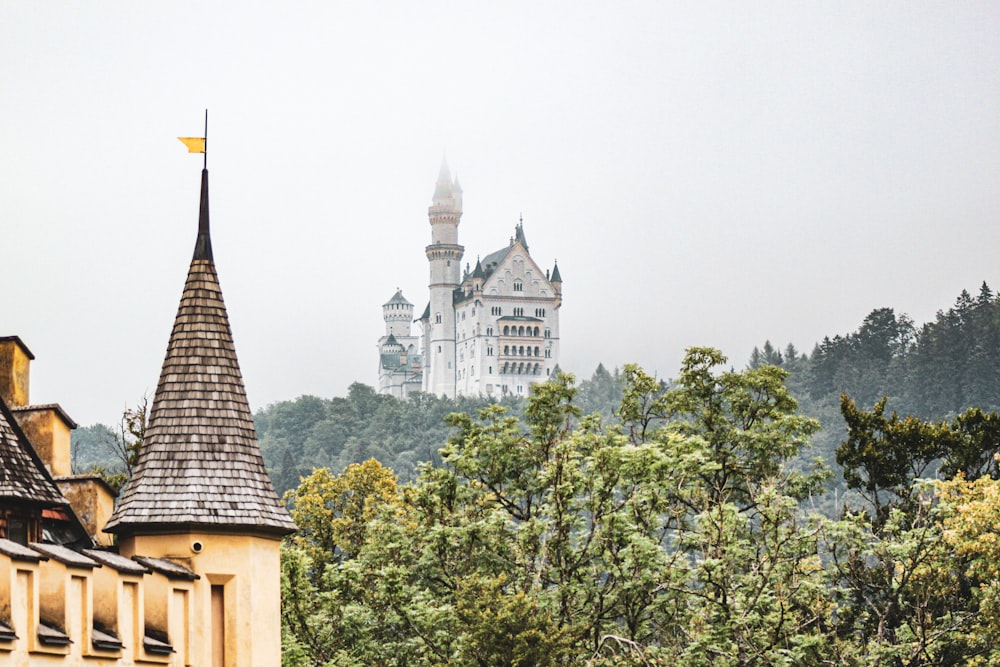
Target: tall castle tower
(445,257)
(200,496)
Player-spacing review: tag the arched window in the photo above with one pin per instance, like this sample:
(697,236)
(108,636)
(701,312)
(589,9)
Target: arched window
(506,330)
(536,351)
(520,351)
(520,331)
(536,331)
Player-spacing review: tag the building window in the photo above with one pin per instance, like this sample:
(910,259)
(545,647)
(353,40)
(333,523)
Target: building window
(489,351)
(518,286)
(519,312)
(437,318)
(489,331)
(439,349)
(496,310)
(539,312)
(548,333)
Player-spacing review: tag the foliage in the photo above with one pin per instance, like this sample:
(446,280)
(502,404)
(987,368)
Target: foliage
(111,454)
(299,436)
(673,536)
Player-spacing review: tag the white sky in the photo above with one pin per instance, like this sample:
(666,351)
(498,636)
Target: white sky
(705,173)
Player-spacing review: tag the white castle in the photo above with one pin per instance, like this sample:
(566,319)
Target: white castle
(492,331)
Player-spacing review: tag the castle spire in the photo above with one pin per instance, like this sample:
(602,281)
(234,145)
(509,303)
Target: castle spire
(444,188)
(200,466)
(203,244)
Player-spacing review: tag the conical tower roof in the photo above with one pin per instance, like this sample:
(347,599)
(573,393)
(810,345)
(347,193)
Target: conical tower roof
(200,466)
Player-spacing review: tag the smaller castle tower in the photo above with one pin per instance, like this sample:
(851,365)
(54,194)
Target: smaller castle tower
(400,370)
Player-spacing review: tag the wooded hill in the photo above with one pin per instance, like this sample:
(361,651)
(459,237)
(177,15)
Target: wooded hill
(934,371)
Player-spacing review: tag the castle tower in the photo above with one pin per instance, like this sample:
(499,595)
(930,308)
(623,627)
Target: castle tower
(398,315)
(445,257)
(200,495)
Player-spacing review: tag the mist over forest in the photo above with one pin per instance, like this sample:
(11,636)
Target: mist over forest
(933,370)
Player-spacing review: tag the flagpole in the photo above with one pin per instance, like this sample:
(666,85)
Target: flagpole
(206,141)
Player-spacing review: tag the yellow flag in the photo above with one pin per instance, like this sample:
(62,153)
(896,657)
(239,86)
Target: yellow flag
(194,144)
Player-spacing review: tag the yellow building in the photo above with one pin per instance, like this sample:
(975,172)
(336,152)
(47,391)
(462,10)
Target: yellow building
(194,578)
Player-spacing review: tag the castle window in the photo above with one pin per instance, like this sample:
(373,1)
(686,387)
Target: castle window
(496,310)
(548,333)
(439,349)
(520,331)
(518,286)
(489,351)
(489,331)
(519,312)
(536,351)
(536,331)
(506,330)
(506,349)
(437,318)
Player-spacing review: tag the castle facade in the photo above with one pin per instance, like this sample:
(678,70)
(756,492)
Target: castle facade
(489,331)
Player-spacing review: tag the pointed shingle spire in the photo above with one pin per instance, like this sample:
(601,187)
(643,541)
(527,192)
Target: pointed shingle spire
(200,465)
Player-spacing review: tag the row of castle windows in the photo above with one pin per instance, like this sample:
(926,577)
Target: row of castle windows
(496,310)
(514,349)
(519,331)
(520,369)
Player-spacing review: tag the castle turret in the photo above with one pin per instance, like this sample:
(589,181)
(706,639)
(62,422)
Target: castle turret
(445,257)
(398,315)
(200,495)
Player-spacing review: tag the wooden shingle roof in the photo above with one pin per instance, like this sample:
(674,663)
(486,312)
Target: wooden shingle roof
(23,476)
(200,465)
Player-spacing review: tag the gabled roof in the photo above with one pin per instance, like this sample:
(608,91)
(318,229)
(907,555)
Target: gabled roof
(23,476)
(200,465)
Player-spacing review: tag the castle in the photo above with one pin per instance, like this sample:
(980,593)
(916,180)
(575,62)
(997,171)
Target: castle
(194,576)
(489,331)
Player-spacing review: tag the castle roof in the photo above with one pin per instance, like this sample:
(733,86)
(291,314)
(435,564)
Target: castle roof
(200,465)
(556,278)
(397,298)
(23,476)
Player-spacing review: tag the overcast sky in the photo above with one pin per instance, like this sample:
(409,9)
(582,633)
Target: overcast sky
(704,173)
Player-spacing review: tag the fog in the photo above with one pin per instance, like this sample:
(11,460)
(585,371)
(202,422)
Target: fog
(704,173)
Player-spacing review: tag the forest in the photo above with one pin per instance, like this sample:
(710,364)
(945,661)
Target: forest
(836,507)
